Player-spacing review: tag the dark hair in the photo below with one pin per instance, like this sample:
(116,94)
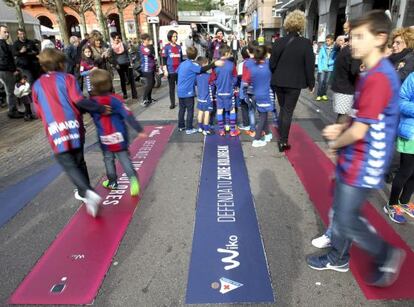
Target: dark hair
(83,55)
(260,53)
(244,53)
(101,81)
(170,34)
(115,34)
(377,21)
(52,59)
(202,61)
(18,75)
(252,45)
(330,36)
(224,49)
(192,52)
(20,30)
(219,30)
(145,36)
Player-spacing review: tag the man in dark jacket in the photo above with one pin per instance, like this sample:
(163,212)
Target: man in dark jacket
(72,55)
(25,52)
(7,70)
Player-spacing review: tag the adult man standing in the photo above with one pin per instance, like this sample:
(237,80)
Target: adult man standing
(7,69)
(215,45)
(71,53)
(25,52)
(235,46)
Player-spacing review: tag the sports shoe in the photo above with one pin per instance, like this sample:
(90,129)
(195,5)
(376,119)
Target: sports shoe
(259,143)
(181,129)
(172,107)
(227,128)
(208,132)
(134,186)
(395,213)
(268,137)
(408,209)
(321,263)
(251,133)
(145,103)
(322,242)
(190,131)
(222,133)
(78,197)
(319,98)
(110,185)
(244,128)
(387,273)
(325,98)
(234,133)
(200,130)
(92,202)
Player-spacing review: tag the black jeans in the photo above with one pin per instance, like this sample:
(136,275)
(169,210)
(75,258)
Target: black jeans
(186,104)
(245,112)
(125,72)
(262,125)
(172,81)
(403,183)
(149,85)
(123,157)
(73,163)
(287,98)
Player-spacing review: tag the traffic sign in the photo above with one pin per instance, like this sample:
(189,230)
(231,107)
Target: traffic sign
(151,7)
(155,19)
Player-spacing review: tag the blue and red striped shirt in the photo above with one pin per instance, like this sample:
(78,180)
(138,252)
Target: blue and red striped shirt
(173,56)
(147,58)
(55,95)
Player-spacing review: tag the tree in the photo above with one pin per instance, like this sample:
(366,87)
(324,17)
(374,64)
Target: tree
(17,4)
(201,5)
(121,5)
(56,6)
(137,11)
(101,20)
(81,7)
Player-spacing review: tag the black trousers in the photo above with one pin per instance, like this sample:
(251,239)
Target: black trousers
(172,81)
(245,112)
(287,98)
(403,183)
(186,104)
(262,125)
(149,85)
(125,73)
(73,163)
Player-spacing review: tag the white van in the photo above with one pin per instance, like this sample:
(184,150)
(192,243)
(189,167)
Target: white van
(184,31)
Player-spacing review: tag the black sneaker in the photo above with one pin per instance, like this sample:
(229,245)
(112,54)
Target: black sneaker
(14,114)
(387,273)
(125,96)
(172,107)
(322,262)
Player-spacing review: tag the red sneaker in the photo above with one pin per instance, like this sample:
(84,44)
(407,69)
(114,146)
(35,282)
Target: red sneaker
(234,133)
(222,133)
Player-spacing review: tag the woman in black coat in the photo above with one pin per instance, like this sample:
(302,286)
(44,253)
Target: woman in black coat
(292,64)
(402,56)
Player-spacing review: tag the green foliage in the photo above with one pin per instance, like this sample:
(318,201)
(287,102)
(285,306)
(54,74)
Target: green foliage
(197,5)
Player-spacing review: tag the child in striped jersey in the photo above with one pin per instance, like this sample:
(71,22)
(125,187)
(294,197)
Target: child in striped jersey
(87,64)
(205,98)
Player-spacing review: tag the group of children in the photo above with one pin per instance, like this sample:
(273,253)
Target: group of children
(60,105)
(225,89)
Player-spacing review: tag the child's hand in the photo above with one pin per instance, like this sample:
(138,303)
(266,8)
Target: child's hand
(219,63)
(108,110)
(332,132)
(142,135)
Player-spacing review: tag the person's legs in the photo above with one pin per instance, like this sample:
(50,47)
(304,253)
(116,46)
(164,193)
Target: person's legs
(123,157)
(233,118)
(260,125)
(287,100)
(7,78)
(252,113)
(245,113)
(402,177)
(131,79)
(122,76)
(109,160)
(172,80)
(200,117)
(190,112)
(220,120)
(181,113)
(151,84)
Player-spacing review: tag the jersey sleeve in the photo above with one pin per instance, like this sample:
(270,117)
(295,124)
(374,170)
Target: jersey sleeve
(74,91)
(164,52)
(374,98)
(195,68)
(213,77)
(234,75)
(246,76)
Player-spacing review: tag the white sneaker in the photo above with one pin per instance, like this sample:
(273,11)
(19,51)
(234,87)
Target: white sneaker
(244,128)
(322,242)
(268,137)
(78,197)
(190,131)
(259,143)
(92,202)
(200,130)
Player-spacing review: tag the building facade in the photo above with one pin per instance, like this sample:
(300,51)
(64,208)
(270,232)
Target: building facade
(73,20)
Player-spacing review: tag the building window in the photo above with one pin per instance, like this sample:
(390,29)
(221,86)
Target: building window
(276,12)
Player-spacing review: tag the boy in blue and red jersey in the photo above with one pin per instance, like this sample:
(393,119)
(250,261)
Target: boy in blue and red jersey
(172,57)
(225,79)
(204,98)
(56,96)
(112,130)
(148,67)
(365,148)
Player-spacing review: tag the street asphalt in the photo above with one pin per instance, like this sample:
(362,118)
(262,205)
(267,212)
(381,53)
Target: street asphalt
(151,265)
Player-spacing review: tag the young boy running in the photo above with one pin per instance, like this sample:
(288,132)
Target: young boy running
(55,96)
(187,73)
(112,130)
(365,148)
(225,79)
(204,98)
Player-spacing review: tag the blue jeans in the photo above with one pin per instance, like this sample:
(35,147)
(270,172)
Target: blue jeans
(349,227)
(251,104)
(123,157)
(323,81)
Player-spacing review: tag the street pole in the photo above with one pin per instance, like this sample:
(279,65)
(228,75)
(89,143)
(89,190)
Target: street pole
(238,18)
(154,31)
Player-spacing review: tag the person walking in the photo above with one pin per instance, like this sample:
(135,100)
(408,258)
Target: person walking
(7,70)
(148,67)
(292,64)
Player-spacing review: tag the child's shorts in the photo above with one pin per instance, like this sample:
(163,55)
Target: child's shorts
(225,103)
(204,106)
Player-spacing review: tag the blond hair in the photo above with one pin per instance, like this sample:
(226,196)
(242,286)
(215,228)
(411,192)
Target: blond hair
(295,22)
(406,34)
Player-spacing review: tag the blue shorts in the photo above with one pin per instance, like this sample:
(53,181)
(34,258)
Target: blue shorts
(227,103)
(205,105)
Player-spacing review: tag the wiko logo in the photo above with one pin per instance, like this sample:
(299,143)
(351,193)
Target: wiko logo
(232,251)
